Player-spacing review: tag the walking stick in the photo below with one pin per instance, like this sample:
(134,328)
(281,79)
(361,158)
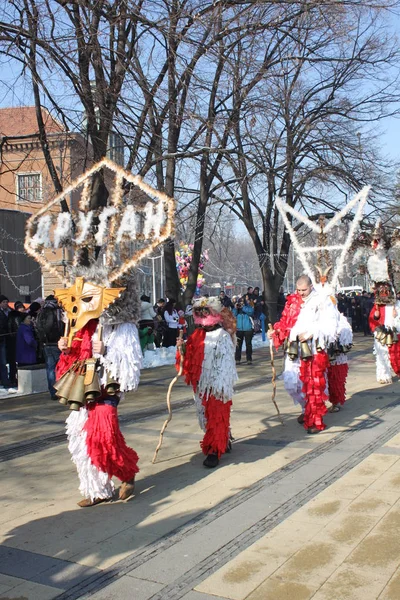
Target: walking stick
(171,385)
(271,350)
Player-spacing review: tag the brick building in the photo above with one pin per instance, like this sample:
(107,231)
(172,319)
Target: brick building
(25,185)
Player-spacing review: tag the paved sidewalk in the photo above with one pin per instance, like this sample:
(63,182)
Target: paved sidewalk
(286,515)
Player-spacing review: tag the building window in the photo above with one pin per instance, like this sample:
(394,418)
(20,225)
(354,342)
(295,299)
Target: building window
(29,187)
(116,148)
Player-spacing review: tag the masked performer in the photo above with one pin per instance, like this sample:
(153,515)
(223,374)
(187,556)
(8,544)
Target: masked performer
(374,254)
(316,337)
(209,367)
(92,373)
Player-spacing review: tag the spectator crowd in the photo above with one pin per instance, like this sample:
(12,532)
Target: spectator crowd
(29,333)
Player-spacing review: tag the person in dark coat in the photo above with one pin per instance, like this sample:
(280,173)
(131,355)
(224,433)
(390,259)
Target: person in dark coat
(15,317)
(26,342)
(4,310)
(49,329)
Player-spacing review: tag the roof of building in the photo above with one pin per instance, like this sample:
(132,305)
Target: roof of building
(21,120)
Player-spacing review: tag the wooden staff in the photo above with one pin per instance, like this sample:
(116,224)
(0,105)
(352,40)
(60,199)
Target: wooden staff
(171,385)
(271,350)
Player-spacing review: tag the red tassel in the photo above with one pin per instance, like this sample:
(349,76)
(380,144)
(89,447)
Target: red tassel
(288,319)
(194,356)
(394,354)
(337,375)
(217,414)
(81,348)
(106,445)
(312,374)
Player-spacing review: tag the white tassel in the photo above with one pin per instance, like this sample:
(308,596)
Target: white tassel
(123,359)
(106,213)
(42,235)
(218,374)
(93,483)
(154,218)
(84,225)
(129,224)
(63,230)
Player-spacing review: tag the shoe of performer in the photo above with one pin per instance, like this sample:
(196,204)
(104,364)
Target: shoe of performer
(238,362)
(211,461)
(334,408)
(300,419)
(249,362)
(127,489)
(88,502)
(312,430)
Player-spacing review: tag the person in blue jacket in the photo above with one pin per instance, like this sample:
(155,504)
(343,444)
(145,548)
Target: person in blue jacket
(26,342)
(244,312)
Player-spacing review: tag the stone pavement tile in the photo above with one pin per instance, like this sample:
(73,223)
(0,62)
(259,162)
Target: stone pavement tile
(31,591)
(198,596)
(193,548)
(244,573)
(364,475)
(394,442)
(128,588)
(392,590)
(42,569)
(313,563)
(374,501)
(349,583)
(321,509)
(349,528)
(275,589)
(389,481)
(380,549)
(105,554)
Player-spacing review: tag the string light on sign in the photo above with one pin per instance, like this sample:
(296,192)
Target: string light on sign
(147,223)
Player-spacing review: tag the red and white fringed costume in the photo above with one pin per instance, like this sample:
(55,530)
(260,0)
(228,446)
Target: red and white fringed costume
(386,349)
(209,367)
(308,380)
(97,446)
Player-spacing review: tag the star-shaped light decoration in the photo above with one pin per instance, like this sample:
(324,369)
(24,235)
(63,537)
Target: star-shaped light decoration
(322,230)
(124,231)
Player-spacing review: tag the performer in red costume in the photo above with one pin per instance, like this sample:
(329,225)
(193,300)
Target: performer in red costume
(209,367)
(315,335)
(384,322)
(95,441)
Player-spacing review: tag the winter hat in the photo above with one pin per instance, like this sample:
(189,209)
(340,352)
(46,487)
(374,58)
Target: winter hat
(2,298)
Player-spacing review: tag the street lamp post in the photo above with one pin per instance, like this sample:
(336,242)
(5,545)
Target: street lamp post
(153,258)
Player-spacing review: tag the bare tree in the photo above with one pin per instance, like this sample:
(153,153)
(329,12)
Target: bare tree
(299,136)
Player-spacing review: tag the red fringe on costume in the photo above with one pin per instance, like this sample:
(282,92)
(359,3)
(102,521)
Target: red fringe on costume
(106,445)
(288,319)
(194,356)
(312,374)
(394,354)
(337,375)
(217,414)
(81,348)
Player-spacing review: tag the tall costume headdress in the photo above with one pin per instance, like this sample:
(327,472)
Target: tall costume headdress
(323,250)
(113,239)
(317,335)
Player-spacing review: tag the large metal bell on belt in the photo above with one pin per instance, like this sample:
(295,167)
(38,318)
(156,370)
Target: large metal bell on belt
(76,397)
(293,350)
(305,351)
(63,386)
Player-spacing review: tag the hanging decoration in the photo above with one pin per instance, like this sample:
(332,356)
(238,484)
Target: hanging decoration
(183,258)
(127,231)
